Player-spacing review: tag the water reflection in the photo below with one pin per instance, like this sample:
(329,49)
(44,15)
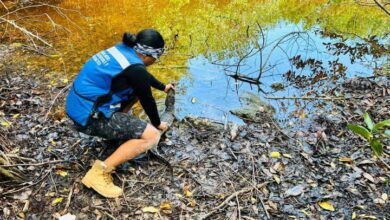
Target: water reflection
(304,64)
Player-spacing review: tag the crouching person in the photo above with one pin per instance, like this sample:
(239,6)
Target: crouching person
(102,93)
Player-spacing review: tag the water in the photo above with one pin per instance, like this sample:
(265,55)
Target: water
(217,94)
(206,40)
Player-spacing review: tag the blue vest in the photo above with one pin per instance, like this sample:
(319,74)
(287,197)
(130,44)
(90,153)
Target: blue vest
(91,91)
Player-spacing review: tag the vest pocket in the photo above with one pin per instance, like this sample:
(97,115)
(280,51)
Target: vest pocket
(78,108)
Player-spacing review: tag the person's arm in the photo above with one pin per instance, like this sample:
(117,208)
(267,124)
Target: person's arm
(140,80)
(155,83)
(126,106)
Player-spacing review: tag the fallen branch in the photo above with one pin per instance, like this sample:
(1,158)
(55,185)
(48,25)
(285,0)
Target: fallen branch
(244,78)
(8,174)
(226,201)
(382,7)
(308,98)
(34,164)
(25,187)
(25,31)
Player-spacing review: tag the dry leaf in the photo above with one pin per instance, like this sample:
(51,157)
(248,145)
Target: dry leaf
(279,166)
(277,179)
(15,116)
(353,215)
(5,123)
(345,159)
(150,209)
(384,196)
(56,201)
(22,196)
(275,154)
(166,206)
(62,173)
(253,200)
(272,205)
(367,216)
(21,215)
(192,202)
(287,156)
(327,206)
(186,191)
(369,177)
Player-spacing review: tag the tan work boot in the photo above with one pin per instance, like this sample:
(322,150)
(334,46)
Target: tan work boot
(100,179)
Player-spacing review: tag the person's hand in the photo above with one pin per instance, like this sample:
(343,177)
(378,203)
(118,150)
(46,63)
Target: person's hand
(163,126)
(168,87)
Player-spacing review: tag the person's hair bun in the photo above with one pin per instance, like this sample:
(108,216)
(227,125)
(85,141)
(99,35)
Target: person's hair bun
(129,39)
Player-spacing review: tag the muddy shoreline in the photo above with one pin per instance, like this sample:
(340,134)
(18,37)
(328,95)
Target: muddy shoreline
(223,172)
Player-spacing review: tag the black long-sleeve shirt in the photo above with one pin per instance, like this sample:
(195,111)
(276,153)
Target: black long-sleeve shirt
(137,77)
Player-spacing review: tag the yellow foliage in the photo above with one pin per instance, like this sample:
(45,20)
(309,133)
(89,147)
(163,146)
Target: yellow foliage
(275,154)
(166,206)
(327,206)
(56,201)
(150,209)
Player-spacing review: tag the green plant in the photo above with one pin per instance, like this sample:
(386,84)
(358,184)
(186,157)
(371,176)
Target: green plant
(375,133)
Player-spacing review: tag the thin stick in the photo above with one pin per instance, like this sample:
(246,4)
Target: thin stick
(69,199)
(25,31)
(308,98)
(226,201)
(384,163)
(34,164)
(238,207)
(109,215)
(33,184)
(54,100)
(21,158)
(4,5)
(256,188)
(382,7)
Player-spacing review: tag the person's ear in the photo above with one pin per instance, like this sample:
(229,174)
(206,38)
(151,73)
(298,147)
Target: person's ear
(149,60)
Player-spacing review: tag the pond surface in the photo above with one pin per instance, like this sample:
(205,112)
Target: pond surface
(300,48)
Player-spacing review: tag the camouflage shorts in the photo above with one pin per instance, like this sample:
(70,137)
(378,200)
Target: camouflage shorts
(121,126)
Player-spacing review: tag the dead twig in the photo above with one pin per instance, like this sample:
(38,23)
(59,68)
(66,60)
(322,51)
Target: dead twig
(256,188)
(308,98)
(109,215)
(32,184)
(226,201)
(54,100)
(35,164)
(382,7)
(25,31)
(69,200)
(384,163)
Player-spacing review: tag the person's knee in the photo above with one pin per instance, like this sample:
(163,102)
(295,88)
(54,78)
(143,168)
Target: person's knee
(155,138)
(151,136)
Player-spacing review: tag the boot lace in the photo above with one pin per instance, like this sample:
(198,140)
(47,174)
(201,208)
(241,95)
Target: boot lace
(107,177)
